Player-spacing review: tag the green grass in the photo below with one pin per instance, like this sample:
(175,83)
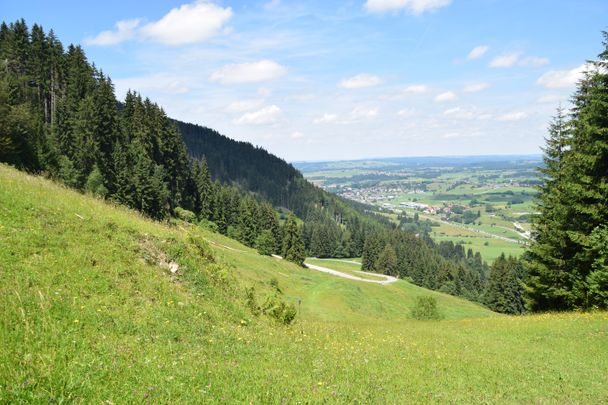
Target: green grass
(88,316)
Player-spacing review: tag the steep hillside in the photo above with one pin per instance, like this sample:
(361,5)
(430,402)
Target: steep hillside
(92,313)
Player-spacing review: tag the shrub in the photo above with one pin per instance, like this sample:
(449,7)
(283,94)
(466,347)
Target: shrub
(185,215)
(277,309)
(425,308)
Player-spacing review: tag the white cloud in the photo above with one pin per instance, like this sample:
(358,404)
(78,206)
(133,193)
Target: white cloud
(477,52)
(511,59)
(325,118)
(447,96)
(550,99)
(296,135)
(505,60)
(124,30)
(244,105)
(414,6)
(188,24)
(363,113)
(416,88)
(475,87)
(360,81)
(266,115)
(459,113)
(407,112)
(562,78)
(513,116)
(248,72)
(534,61)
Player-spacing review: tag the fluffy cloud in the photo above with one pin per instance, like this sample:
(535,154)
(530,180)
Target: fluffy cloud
(266,115)
(296,135)
(190,23)
(475,87)
(187,24)
(360,81)
(248,72)
(562,78)
(505,60)
(124,30)
(477,52)
(513,116)
(325,118)
(447,96)
(414,6)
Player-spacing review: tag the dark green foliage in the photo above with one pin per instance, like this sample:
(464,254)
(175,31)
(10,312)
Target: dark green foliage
(265,243)
(387,261)
(94,183)
(504,290)
(293,247)
(425,308)
(573,201)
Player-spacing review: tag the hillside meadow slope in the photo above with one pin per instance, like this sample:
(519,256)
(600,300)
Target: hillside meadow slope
(92,313)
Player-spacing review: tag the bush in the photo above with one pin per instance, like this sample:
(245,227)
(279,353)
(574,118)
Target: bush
(425,308)
(185,215)
(277,309)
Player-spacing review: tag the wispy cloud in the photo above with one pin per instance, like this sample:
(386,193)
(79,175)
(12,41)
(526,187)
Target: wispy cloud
(414,6)
(505,60)
(511,59)
(513,116)
(478,52)
(475,87)
(360,81)
(447,96)
(251,72)
(325,118)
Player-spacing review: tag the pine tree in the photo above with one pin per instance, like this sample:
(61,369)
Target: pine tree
(293,247)
(574,201)
(504,292)
(387,261)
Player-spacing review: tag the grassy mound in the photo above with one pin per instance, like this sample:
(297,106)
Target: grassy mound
(100,305)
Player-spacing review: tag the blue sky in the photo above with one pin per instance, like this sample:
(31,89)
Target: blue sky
(319,80)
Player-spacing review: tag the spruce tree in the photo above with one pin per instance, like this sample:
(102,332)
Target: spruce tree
(293,247)
(576,204)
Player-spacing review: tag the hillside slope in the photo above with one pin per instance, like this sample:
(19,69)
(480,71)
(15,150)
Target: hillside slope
(88,315)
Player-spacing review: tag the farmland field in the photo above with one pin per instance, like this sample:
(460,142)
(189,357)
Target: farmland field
(482,202)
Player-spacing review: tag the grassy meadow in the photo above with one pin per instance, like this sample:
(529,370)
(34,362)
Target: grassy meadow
(92,313)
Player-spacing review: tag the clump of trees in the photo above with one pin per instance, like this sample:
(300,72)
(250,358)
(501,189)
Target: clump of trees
(568,259)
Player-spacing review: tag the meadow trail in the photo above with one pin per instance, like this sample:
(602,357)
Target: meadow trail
(388,279)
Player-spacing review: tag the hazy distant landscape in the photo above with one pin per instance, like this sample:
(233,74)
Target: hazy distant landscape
(482,202)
